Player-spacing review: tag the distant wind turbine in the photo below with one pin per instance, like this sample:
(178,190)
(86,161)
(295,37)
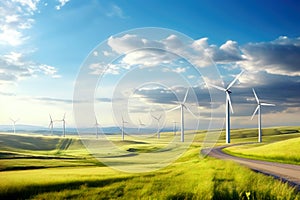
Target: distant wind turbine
(14,123)
(228,104)
(158,121)
(175,127)
(96,125)
(64,125)
(182,106)
(140,125)
(51,124)
(123,123)
(259,104)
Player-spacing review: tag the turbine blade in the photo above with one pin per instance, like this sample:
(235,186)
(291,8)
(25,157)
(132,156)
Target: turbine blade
(187,91)
(191,112)
(257,100)
(154,117)
(64,116)
(229,100)
(267,104)
(217,87)
(234,80)
(255,111)
(174,108)
(50,118)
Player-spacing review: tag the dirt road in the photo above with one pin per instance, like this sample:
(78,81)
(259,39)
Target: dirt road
(285,172)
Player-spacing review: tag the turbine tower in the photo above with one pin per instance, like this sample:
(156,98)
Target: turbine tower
(14,121)
(258,111)
(182,106)
(123,122)
(175,127)
(51,125)
(158,121)
(64,125)
(96,125)
(228,104)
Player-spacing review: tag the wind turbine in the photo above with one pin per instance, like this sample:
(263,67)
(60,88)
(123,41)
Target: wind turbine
(140,125)
(228,104)
(14,123)
(259,104)
(123,122)
(174,127)
(64,125)
(158,121)
(51,124)
(182,106)
(96,125)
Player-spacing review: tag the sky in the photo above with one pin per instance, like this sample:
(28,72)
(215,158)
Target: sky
(46,46)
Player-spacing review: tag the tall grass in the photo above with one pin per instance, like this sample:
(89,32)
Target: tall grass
(190,177)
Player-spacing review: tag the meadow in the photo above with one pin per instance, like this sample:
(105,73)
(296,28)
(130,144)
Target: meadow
(51,167)
(286,151)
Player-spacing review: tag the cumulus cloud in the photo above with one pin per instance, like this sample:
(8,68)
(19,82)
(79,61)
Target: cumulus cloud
(13,67)
(16,16)
(280,56)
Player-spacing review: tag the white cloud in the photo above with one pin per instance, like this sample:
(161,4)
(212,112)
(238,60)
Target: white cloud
(15,67)
(179,69)
(102,68)
(15,16)
(280,56)
(61,4)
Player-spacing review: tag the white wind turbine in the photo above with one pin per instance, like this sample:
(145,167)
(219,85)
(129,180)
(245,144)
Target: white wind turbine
(140,125)
(51,124)
(259,104)
(175,127)
(228,104)
(64,125)
(96,125)
(182,106)
(123,123)
(14,121)
(158,121)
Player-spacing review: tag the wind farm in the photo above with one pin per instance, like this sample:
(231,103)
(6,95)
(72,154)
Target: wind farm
(159,100)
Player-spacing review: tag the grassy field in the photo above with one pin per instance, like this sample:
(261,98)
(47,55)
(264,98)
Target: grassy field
(286,151)
(44,167)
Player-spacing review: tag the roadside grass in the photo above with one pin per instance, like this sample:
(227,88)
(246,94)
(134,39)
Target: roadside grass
(74,174)
(188,178)
(286,151)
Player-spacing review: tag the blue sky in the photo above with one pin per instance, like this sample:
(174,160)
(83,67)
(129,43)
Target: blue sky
(43,44)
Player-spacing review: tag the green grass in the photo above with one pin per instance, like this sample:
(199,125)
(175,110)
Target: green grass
(286,151)
(74,174)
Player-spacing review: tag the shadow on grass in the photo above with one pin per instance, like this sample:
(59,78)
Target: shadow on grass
(32,190)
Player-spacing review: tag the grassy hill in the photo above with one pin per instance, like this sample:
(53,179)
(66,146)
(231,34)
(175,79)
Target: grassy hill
(286,151)
(45,167)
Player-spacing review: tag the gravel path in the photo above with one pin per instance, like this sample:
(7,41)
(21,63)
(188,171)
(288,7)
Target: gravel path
(285,172)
